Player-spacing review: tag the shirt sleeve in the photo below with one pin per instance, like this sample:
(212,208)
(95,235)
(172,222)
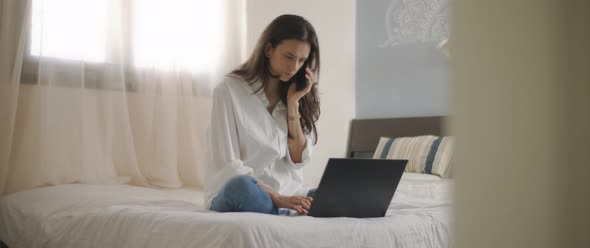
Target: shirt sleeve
(305,155)
(224,149)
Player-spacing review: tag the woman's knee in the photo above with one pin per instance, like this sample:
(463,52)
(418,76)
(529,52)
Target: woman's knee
(243,194)
(240,182)
(240,186)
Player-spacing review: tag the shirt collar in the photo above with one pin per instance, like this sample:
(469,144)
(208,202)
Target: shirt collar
(256,85)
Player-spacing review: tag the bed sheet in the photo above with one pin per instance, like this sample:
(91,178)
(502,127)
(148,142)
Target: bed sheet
(77,215)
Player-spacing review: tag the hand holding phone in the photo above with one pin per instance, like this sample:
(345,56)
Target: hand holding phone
(303,80)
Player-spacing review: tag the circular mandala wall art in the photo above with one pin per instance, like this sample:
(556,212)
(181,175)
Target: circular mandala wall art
(416,21)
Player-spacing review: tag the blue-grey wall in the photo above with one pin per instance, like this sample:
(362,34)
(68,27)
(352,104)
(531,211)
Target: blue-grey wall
(396,81)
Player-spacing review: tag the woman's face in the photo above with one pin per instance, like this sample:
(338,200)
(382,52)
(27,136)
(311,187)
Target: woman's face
(287,58)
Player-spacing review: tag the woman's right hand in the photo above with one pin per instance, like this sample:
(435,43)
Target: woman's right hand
(301,204)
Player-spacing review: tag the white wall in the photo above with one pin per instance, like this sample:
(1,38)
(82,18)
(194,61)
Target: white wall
(334,22)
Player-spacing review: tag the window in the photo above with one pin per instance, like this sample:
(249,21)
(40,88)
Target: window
(164,34)
(69,29)
(176,33)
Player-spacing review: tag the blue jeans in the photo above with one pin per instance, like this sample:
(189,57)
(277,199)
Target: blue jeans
(242,194)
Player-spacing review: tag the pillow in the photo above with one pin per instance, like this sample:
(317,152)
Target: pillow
(427,154)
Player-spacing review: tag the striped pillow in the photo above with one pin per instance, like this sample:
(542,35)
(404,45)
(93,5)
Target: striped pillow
(425,154)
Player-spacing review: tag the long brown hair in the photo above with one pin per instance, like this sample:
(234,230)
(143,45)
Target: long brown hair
(257,67)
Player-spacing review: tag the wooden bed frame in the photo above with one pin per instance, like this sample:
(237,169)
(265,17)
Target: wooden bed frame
(365,133)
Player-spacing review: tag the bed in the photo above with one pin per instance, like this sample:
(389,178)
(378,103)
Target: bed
(76,215)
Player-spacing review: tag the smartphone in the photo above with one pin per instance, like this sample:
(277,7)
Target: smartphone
(300,78)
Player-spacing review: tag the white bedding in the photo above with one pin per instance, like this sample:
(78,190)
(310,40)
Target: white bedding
(77,215)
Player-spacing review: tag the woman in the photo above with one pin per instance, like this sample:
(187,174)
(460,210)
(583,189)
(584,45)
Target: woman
(262,128)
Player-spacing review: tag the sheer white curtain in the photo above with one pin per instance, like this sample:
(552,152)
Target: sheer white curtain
(114,91)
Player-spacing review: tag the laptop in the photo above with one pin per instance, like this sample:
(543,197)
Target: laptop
(358,188)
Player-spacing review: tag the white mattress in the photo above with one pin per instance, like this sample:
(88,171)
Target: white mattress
(77,215)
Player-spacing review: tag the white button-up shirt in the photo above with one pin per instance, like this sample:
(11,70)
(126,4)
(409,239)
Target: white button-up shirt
(244,138)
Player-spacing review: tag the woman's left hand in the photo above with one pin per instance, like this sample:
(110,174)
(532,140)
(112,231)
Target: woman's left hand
(301,204)
(293,95)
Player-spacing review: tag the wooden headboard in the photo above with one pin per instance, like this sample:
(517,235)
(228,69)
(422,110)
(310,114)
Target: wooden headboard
(365,133)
